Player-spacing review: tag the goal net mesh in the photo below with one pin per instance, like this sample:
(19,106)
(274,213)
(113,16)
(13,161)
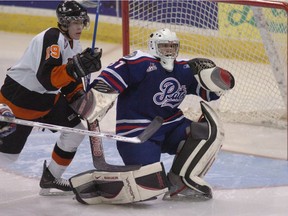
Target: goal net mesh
(249,41)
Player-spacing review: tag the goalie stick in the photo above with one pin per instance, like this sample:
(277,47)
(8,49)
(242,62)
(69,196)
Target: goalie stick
(96,145)
(98,156)
(145,135)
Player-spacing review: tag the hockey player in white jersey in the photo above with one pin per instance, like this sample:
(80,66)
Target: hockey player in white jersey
(154,84)
(42,86)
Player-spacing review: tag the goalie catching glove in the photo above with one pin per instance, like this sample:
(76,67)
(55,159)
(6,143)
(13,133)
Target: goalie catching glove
(84,63)
(95,187)
(211,77)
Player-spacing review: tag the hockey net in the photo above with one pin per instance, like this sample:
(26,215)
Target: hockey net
(248,38)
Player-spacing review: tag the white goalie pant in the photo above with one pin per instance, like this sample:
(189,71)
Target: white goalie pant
(94,187)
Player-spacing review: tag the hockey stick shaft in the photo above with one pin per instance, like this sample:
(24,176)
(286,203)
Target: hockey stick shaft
(95,26)
(148,132)
(96,143)
(98,156)
(88,77)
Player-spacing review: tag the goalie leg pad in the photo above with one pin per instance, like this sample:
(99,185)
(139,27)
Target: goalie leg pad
(199,151)
(95,187)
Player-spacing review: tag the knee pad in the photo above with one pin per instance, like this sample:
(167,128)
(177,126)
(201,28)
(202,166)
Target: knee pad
(201,147)
(70,141)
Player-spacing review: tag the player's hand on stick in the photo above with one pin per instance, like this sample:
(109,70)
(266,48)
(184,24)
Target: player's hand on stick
(6,128)
(84,63)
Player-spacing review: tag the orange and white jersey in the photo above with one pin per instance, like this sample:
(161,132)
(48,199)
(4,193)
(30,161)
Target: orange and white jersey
(32,86)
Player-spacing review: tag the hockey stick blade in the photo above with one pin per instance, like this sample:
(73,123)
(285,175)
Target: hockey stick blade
(137,139)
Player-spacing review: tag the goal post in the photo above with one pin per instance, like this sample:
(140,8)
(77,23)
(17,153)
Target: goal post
(248,38)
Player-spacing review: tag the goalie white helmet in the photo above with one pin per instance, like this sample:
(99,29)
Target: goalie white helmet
(164,44)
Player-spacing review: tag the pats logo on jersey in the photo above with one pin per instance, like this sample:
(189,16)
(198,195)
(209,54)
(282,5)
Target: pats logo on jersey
(171,93)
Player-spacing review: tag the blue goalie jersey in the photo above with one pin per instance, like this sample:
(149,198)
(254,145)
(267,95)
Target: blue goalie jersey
(147,90)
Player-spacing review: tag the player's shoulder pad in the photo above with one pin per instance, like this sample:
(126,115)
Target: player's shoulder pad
(53,32)
(50,36)
(138,54)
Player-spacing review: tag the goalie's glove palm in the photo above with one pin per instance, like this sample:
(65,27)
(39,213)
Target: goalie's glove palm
(84,63)
(211,77)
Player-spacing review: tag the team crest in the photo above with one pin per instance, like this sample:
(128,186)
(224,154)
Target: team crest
(186,66)
(151,68)
(171,93)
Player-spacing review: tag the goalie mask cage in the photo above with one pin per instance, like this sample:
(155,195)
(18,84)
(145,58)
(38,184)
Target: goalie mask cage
(248,38)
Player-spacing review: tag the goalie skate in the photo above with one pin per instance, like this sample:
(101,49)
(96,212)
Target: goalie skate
(179,191)
(51,186)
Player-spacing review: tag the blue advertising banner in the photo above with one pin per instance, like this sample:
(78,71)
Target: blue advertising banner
(205,17)
(108,8)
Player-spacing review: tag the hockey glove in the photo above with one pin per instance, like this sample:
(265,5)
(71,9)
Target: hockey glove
(84,63)
(84,104)
(6,128)
(211,77)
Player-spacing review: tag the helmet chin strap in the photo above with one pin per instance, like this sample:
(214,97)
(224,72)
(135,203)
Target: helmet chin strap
(64,30)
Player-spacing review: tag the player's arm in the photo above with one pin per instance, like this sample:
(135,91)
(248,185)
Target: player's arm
(52,73)
(101,94)
(211,77)
(127,71)
(105,89)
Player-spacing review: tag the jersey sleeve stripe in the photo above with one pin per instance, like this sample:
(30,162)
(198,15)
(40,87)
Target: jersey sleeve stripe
(60,77)
(116,75)
(112,82)
(137,61)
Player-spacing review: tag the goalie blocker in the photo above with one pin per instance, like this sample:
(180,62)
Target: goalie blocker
(95,187)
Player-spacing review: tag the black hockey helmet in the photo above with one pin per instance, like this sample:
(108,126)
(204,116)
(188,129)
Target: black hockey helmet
(68,11)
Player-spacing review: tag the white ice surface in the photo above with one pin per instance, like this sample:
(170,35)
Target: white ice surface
(244,184)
